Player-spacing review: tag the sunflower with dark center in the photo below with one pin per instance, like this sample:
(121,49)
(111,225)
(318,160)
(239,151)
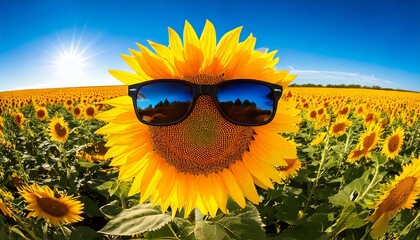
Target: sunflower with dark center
(393,143)
(41,113)
(202,160)
(340,126)
(400,193)
(50,205)
(90,112)
(77,112)
(58,129)
(1,126)
(19,119)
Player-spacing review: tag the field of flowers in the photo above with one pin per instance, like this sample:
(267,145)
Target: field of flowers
(357,175)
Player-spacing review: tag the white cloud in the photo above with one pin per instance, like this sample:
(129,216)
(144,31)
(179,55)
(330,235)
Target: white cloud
(337,77)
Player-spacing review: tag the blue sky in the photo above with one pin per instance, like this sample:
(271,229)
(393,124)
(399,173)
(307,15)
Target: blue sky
(74,43)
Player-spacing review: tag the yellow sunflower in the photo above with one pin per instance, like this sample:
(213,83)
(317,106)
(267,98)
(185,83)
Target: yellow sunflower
(339,127)
(356,154)
(344,111)
(44,203)
(1,126)
(318,139)
(5,206)
(41,113)
(19,119)
(393,143)
(58,129)
(369,139)
(370,118)
(5,209)
(203,159)
(89,111)
(312,115)
(77,111)
(400,193)
(290,170)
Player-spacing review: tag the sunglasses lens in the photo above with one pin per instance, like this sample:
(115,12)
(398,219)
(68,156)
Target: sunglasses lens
(247,103)
(163,103)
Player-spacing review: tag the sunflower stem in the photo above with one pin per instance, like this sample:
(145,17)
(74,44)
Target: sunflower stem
(344,152)
(29,231)
(409,225)
(123,202)
(21,168)
(173,232)
(318,175)
(371,182)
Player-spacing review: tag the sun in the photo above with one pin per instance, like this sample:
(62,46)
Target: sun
(70,57)
(71,63)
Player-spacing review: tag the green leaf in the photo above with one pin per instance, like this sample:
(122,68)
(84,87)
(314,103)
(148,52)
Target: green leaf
(90,207)
(239,224)
(378,158)
(345,196)
(185,228)
(112,209)
(85,233)
(136,220)
(85,164)
(300,232)
(20,233)
(348,219)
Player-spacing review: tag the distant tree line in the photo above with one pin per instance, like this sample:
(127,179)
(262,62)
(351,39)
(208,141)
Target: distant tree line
(346,86)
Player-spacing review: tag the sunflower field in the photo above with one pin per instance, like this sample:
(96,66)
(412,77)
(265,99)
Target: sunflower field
(356,176)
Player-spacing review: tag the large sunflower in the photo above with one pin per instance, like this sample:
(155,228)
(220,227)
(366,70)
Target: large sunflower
(399,194)
(205,158)
(43,203)
(393,143)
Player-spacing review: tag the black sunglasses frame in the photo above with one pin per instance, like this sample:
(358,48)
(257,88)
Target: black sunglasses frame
(205,89)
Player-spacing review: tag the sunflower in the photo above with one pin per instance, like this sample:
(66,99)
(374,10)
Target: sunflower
(89,111)
(1,126)
(339,127)
(205,158)
(370,118)
(290,170)
(58,129)
(5,206)
(400,193)
(41,113)
(356,154)
(369,139)
(318,139)
(393,143)
(5,209)
(18,118)
(77,111)
(312,115)
(44,203)
(68,103)
(344,111)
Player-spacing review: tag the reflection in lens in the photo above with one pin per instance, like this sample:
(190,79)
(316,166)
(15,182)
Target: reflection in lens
(246,102)
(163,102)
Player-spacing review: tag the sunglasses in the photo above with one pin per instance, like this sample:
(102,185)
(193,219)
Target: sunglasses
(165,102)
